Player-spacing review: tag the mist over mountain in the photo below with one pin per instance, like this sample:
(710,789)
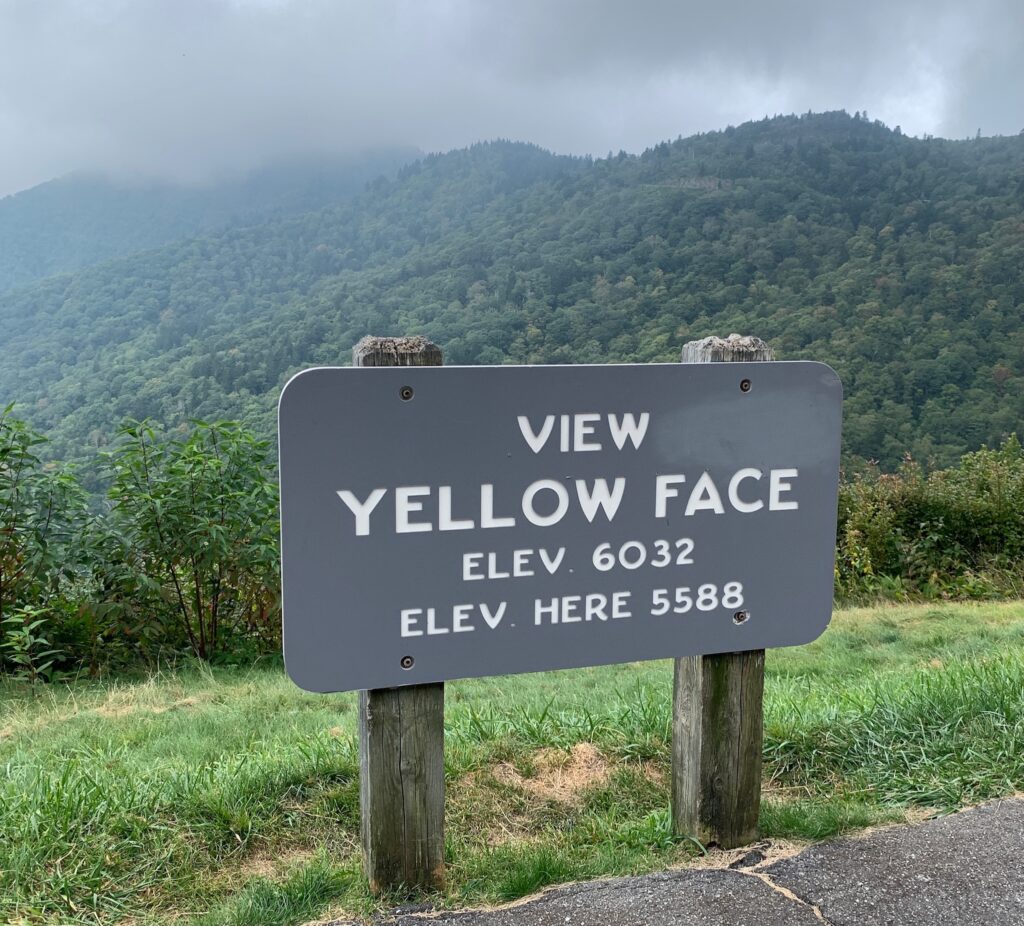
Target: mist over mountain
(85,218)
(896,259)
(190,88)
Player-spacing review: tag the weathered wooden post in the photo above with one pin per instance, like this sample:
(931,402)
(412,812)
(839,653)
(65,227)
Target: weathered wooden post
(717,709)
(401,731)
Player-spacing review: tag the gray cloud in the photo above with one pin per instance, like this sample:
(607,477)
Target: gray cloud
(192,88)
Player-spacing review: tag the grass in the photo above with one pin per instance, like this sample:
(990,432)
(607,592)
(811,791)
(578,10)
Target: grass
(230,797)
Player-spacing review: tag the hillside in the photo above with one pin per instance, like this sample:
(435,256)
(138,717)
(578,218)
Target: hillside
(897,260)
(82,219)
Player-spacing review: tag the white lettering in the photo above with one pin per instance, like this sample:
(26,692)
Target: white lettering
(540,438)
(560,509)
(569,605)
(362,510)
(492,567)
(734,494)
(572,609)
(492,619)
(541,610)
(663,491)
(552,564)
(629,427)
(600,497)
(583,428)
(444,512)
(404,506)
(460,618)
(470,561)
(432,628)
(409,619)
(596,605)
(704,497)
(487,518)
(776,486)
(520,563)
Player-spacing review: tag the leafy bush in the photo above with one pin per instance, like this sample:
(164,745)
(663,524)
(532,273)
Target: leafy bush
(24,646)
(42,513)
(112,617)
(953,533)
(199,517)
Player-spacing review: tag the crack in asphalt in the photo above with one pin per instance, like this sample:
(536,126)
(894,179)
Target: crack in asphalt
(766,879)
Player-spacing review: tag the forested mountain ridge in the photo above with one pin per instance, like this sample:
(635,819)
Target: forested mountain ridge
(83,219)
(897,260)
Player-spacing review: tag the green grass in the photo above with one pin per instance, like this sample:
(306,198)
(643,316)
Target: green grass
(230,797)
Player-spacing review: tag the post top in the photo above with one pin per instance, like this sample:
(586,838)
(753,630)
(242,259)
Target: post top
(736,347)
(396,352)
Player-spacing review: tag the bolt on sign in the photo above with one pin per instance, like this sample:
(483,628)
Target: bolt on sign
(450,522)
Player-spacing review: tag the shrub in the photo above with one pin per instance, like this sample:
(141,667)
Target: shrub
(199,517)
(956,532)
(42,514)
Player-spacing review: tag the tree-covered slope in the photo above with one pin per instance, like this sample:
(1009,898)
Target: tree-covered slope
(897,260)
(82,219)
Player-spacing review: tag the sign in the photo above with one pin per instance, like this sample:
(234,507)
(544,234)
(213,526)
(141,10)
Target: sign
(450,522)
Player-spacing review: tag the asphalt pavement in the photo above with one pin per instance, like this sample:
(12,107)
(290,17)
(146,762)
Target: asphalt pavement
(966,868)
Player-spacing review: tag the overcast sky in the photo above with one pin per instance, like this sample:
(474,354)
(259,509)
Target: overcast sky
(190,88)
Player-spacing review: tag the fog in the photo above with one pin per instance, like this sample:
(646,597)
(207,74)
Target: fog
(191,89)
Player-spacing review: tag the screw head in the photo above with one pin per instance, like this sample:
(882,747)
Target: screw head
(406,393)
(407,662)
(745,385)
(741,617)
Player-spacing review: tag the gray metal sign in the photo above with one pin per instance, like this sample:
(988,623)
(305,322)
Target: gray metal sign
(449,522)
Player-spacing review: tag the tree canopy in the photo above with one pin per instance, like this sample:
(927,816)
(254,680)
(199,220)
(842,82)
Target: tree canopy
(895,259)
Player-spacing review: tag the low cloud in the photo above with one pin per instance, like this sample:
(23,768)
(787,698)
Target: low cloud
(190,89)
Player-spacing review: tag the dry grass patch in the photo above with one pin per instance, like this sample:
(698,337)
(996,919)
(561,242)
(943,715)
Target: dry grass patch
(270,865)
(177,705)
(501,805)
(774,790)
(516,802)
(124,702)
(562,776)
(482,806)
(115,710)
(760,854)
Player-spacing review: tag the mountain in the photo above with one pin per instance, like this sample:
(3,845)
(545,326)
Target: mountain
(83,218)
(898,260)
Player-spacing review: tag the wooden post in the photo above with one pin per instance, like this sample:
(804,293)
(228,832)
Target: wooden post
(401,732)
(717,704)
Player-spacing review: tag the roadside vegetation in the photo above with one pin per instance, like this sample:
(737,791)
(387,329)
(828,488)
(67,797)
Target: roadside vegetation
(180,556)
(225,795)
(158,765)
